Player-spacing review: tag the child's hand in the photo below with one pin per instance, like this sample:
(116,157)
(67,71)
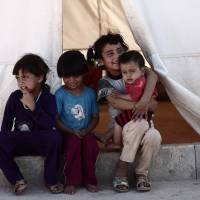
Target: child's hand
(77,134)
(27,99)
(140,111)
(80,134)
(83,132)
(115,94)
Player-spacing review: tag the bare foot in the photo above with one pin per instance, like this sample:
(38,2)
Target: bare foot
(70,189)
(91,188)
(113,146)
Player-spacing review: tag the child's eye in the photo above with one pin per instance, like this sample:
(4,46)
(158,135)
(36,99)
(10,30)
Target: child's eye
(109,54)
(120,51)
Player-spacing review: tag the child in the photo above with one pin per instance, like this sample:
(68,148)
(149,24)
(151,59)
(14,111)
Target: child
(78,115)
(31,112)
(132,67)
(106,51)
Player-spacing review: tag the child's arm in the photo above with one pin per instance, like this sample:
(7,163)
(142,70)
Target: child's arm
(81,133)
(153,104)
(91,126)
(119,103)
(95,115)
(60,126)
(123,104)
(141,107)
(116,94)
(44,115)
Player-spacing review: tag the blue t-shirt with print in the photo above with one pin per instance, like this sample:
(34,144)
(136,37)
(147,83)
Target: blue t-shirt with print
(76,112)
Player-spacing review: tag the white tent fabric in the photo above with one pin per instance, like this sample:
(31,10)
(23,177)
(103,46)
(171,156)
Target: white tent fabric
(168,34)
(28,26)
(85,20)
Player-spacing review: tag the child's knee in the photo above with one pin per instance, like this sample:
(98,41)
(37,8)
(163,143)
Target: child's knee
(152,137)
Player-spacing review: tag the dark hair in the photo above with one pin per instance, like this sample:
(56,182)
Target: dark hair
(95,52)
(134,56)
(71,63)
(34,64)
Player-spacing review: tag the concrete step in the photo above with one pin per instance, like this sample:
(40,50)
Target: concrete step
(173,162)
(31,167)
(179,190)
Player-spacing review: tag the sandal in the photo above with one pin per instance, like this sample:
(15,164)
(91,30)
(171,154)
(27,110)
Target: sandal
(55,189)
(120,184)
(143,184)
(20,187)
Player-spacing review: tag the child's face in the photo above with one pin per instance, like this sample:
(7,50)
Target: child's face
(28,81)
(110,54)
(73,82)
(131,71)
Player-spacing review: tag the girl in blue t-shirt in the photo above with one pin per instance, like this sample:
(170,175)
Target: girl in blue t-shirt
(78,115)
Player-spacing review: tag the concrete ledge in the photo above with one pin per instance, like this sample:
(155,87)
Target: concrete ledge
(197,156)
(31,168)
(173,162)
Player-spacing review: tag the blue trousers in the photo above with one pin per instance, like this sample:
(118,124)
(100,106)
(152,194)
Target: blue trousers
(44,143)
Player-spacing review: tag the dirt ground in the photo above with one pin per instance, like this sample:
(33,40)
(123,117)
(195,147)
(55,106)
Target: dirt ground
(173,128)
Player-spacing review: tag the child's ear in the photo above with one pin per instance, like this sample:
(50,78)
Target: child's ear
(143,70)
(40,79)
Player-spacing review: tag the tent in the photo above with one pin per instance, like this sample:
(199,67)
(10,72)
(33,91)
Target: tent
(100,16)
(166,34)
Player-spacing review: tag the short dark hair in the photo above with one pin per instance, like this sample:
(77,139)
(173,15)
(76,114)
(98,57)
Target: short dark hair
(32,63)
(134,56)
(71,63)
(95,52)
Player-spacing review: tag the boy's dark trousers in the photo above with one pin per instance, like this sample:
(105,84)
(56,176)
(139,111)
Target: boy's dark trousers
(44,143)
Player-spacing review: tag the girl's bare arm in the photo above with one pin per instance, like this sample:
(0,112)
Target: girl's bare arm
(123,104)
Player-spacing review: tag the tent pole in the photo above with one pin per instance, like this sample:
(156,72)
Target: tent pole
(99,14)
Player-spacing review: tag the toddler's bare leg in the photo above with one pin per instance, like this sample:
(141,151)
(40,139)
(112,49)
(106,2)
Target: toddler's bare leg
(117,137)
(104,137)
